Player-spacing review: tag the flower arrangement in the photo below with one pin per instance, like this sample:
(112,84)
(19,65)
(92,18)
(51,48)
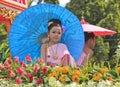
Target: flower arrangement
(37,74)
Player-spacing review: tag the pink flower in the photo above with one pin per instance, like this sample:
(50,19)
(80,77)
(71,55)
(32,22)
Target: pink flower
(39,81)
(18,81)
(36,66)
(7,65)
(44,71)
(23,64)
(29,76)
(28,58)
(12,74)
(16,59)
(20,71)
(1,67)
(39,60)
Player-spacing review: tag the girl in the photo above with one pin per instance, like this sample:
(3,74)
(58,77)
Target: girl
(53,52)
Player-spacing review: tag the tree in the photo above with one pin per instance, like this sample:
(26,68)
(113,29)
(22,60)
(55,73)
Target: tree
(104,13)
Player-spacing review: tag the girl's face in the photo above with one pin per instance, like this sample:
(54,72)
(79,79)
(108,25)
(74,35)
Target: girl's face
(92,42)
(55,34)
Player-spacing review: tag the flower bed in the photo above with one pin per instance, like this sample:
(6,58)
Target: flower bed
(14,73)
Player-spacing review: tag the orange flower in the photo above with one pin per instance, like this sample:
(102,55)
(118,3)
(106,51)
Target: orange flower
(104,70)
(75,72)
(65,69)
(118,69)
(53,74)
(76,78)
(97,76)
(59,69)
(63,78)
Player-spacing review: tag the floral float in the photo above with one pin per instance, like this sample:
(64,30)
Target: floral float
(36,74)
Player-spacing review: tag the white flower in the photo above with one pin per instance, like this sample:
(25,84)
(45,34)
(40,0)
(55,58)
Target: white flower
(73,84)
(117,84)
(91,84)
(54,83)
(104,84)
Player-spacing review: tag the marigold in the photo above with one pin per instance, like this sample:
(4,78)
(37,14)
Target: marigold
(65,69)
(118,69)
(75,72)
(76,78)
(97,76)
(63,78)
(59,69)
(53,74)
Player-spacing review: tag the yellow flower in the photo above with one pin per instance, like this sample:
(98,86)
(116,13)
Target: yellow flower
(76,78)
(97,76)
(63,78)
(118,69)
(104,70)
(53,74)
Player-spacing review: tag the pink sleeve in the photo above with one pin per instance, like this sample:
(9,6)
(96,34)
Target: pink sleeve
(66,50)
(71,59)
(81,59)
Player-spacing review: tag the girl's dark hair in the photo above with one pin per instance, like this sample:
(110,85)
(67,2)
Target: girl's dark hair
(54,22)
(88,35)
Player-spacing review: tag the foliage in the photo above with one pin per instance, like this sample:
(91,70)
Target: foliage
(104,13)
(36,74)
(4,49)
(52,1)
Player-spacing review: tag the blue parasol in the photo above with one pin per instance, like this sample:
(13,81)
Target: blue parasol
(31,24)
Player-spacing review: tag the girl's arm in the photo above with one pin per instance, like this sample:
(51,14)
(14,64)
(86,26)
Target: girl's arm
(43,53)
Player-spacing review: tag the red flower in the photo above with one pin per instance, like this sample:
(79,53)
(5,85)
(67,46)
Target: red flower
(18,81)
(44,71)
(39,81)
(12,74)
(20,71)
(28,58)
(35,71)
(29,76)
(9,60)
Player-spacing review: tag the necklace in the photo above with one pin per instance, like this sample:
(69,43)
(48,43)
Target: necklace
(54,52)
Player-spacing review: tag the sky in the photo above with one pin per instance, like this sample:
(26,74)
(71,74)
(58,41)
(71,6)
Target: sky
(62,2)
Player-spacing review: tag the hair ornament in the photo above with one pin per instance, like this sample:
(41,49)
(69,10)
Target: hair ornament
(50,23)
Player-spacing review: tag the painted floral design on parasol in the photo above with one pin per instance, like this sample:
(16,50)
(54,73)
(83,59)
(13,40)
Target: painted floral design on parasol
(31,24)
(98,31)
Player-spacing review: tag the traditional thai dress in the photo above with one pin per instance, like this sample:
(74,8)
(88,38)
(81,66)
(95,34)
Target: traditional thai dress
(60,49)
(81,59)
